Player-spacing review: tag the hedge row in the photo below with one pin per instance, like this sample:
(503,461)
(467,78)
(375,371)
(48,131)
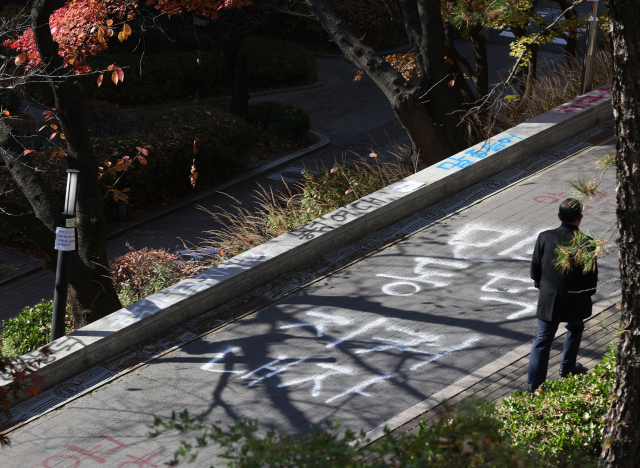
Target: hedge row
(224,141)
(157,78)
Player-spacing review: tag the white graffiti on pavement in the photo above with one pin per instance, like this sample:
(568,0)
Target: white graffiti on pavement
(273,368)
(478,236)
(334,369)
(472,245)
(396,336)
(359,389)
(320,325)
(529,308)
(498,276)
(425,275)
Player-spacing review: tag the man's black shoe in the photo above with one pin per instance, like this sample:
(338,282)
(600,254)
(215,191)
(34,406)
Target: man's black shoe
(578,369)
(532,389)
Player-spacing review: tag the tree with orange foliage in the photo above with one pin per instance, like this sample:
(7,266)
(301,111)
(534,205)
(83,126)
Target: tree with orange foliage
(54,49)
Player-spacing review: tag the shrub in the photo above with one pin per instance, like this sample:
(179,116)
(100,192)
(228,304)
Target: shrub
(279,120)
(141,273)
(166,77)
(224,142)
(566,417)
(31,329)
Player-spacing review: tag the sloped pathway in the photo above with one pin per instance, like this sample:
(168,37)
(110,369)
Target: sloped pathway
(363,335)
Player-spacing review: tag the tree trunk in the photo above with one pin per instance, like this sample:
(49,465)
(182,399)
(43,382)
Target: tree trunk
(227,37)
(170,27)
(93,294)
(454,59)
(622,430)
(572,42)
(425,29)
(429,112)
(479,43)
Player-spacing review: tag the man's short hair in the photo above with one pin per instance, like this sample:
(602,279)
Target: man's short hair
(570,210)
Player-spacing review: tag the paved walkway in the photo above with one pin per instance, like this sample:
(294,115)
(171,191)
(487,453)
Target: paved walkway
(363,335)
(356,116)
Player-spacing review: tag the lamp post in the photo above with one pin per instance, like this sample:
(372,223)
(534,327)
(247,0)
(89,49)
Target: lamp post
(590,48)
(65,245)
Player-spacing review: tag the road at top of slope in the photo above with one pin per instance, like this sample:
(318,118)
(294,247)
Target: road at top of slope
(359,346)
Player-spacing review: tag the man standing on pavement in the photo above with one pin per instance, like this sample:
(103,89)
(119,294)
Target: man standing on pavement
(565,296)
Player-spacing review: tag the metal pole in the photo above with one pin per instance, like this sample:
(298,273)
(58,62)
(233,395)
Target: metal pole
(590,48)
(65,244)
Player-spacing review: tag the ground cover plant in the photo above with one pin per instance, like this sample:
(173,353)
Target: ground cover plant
(565,417)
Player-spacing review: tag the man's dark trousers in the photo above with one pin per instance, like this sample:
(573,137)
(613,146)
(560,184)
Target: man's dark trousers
(565,296)
(539,361)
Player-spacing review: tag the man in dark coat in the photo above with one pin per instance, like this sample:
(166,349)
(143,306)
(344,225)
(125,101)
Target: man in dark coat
(565,296)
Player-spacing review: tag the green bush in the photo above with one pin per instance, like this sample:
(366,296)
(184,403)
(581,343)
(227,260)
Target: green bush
(565,416)
(166,77)
(279,120)
(30,330)
(224,140)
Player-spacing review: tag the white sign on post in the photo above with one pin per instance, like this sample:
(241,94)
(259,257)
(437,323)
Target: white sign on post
(65,238)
